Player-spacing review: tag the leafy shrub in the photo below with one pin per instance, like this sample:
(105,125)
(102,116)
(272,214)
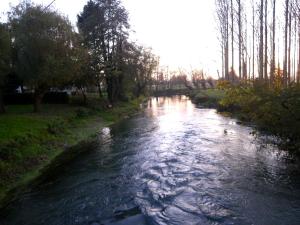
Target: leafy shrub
(273,110)
(207,98)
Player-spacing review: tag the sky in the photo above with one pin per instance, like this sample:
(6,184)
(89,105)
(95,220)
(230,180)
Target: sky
(182,33)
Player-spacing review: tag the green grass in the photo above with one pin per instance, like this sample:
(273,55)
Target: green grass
(29,142)
(12,126)
(121,110)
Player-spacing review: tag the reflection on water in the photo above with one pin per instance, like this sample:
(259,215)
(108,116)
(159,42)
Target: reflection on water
(174,164)
(179,106)
(170,112)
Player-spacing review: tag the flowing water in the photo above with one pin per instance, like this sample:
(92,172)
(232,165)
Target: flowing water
(172,164)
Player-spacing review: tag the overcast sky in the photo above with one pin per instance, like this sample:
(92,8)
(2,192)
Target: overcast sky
(181,32)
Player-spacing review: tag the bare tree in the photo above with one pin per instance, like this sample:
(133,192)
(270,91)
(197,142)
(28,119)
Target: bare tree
(285,59)
(272,69)
(222,7)
(266,42)
(232,33)
(261,50)
(297,12)
(253,41)
(261,40)
(239,14)
(289,47)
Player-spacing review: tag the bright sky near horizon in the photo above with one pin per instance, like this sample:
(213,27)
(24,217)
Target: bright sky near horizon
(182,33)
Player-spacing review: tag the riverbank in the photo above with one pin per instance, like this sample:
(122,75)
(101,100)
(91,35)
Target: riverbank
(30,142)
(190,152)
(275,111)
(208,98)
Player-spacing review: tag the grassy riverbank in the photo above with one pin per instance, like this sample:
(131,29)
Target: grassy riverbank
(29,142)
(208,98)
(273,110)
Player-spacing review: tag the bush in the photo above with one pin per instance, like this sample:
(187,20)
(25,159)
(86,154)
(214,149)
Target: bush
(207,98)
(274,110)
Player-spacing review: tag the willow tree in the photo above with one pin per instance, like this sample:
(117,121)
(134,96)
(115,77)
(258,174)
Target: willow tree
(5,46)
(43,43)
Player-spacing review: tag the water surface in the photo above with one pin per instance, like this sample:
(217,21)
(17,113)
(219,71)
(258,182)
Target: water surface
(173,164)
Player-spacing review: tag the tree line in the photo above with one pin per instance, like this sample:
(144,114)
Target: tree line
(260,40)
(41,47)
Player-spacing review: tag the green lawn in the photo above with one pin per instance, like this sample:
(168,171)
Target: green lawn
(12,126)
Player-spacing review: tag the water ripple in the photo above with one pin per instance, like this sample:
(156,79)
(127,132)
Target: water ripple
(173,165)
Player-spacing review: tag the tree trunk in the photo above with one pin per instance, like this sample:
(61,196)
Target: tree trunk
(285,43)
(138,90)
(266,42)
(116,89)
(83,96)
(245,69)
(121,92)
(226,56)
(249,68)
(272,69)
(223,10)
(253,43)
(100,90)
(240,38)
(38,97)
(289,48)
(109,89)
(298,69)
(2,108)
(232,37)
(223,64)
(295,52)
(261,42)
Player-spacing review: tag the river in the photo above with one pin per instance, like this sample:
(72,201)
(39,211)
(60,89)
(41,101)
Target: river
(173,164)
